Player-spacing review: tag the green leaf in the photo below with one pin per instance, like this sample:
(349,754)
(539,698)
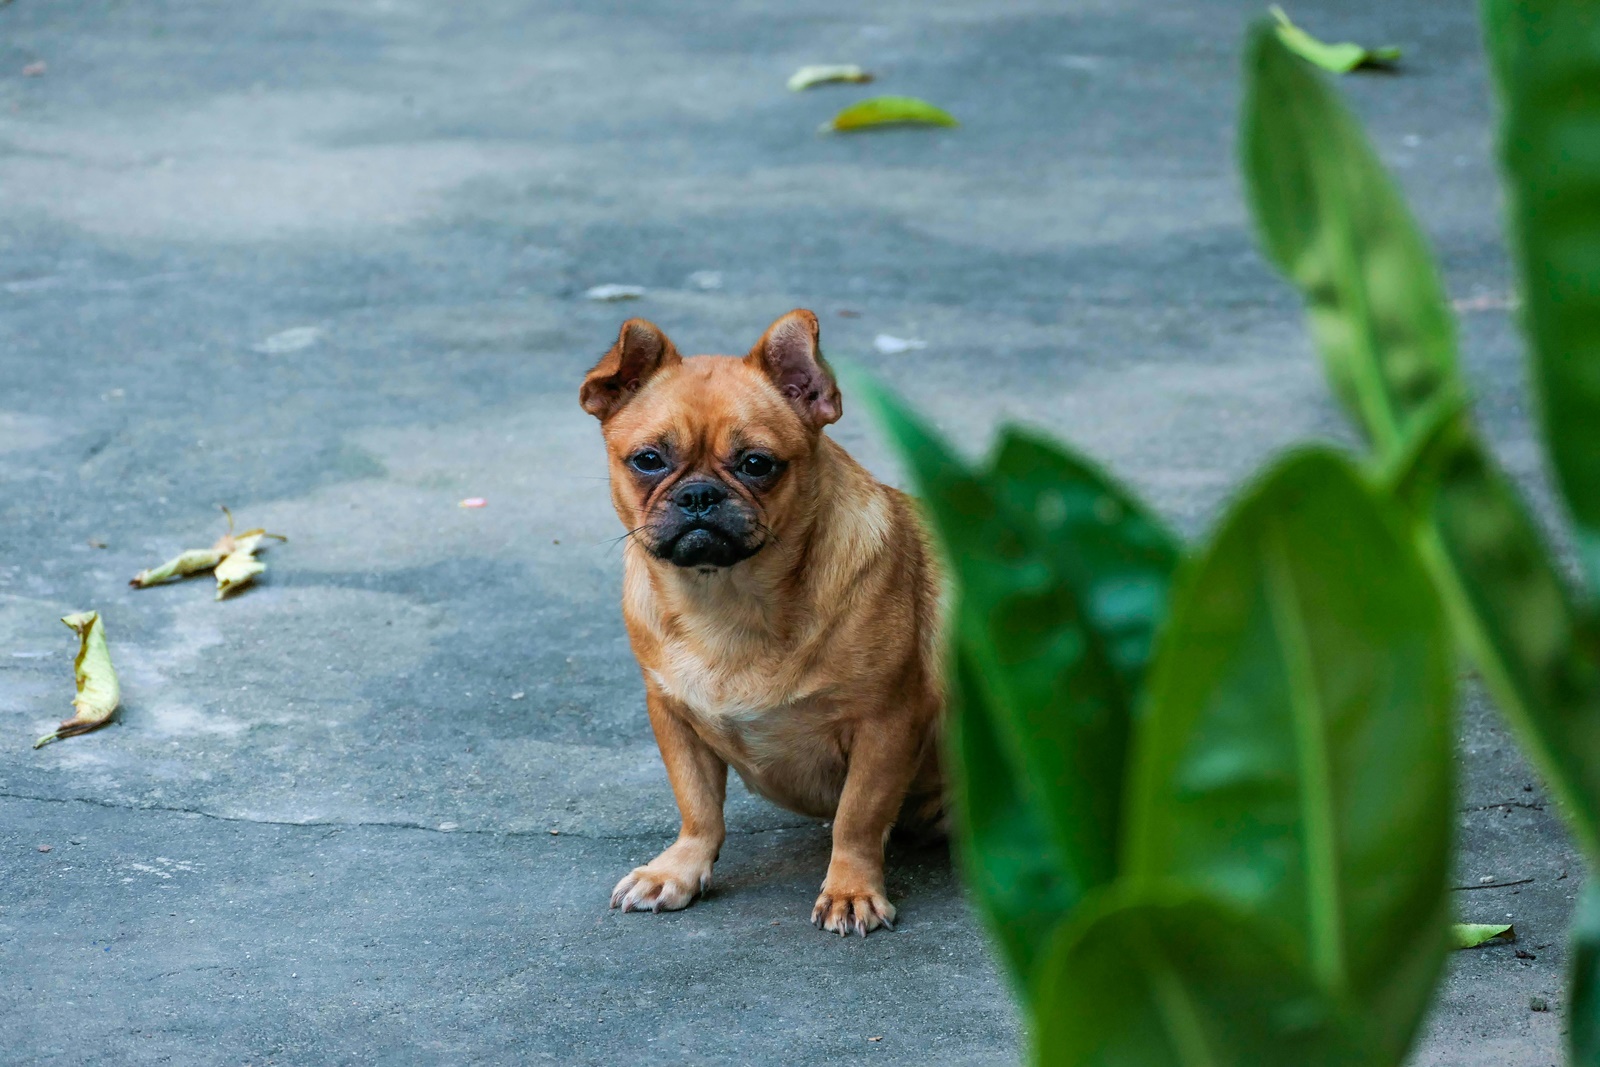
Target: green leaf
(1583,1012)
(1008,857)
(1184,982)
(1471,935)
(1331,220)
(1335,58)
(1052,656)
(1295,757)
(1117,554)
(1512,613)
(1547,62)
(889,111)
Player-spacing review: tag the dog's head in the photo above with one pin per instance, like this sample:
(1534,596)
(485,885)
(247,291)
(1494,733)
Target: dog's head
(711,456)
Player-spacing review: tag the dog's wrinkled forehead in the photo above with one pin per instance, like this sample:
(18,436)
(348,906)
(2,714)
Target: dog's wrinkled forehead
(707,406)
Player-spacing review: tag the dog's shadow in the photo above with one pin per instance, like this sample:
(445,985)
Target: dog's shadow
(775,865)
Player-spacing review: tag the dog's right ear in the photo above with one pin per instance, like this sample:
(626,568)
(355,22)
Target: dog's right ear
(641,350)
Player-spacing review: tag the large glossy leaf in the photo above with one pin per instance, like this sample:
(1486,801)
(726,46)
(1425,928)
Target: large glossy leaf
(1512,612)
(1007,854)
(1329,217)
(1295,756)
(1117,554)
(1583,1008)
(1176,981)
(1546,57)
(1040,668)
(1331,220)
(1053,677)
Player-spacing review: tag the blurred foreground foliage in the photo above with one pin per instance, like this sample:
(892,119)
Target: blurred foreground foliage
(1204,793)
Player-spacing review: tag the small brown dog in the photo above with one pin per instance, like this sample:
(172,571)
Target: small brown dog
(784,605)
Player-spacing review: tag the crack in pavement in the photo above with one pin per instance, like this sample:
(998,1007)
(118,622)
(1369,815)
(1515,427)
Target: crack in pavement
(337,824)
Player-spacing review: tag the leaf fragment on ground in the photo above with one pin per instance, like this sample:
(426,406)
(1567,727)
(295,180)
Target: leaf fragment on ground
(1471,935)
(194,561)
(823,73)
(98,689)
(473,502)
(608,293)
(1339,58)
(240,566)
(890,345)
(889,111)
(237,570)
(291,340)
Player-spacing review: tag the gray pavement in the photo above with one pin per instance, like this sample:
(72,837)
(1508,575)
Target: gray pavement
(371,810)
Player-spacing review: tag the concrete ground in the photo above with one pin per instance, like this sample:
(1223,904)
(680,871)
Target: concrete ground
(371,810)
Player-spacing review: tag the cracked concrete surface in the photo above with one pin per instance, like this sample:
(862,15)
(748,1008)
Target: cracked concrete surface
(372,809)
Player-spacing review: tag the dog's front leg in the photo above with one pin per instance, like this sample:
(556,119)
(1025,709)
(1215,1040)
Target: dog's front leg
(883,760)
(700,783)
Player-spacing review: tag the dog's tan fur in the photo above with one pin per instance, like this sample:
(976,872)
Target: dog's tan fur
(812,666)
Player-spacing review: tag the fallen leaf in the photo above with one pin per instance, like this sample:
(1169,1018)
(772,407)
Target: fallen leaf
(194,561)
(237,569)
(1471,935)
(1538,1004)
(44,848)
(614,292)
(98,690)
(290,340)
(893,346)
(35,69)
(231,560)
(240,566)
(1338,58)
(473,502)
(823,73)
(889,111)
(878,1038)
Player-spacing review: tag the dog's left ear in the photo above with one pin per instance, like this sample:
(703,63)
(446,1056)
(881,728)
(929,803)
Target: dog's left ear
(789,356)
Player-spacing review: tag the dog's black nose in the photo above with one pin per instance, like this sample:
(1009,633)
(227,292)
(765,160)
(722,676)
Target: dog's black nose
(697,498)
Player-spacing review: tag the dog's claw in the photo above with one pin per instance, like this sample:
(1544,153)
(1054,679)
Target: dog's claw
(858,912)
(658,887)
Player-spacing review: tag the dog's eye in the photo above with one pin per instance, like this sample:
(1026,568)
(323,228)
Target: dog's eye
(755,465)
(648,462)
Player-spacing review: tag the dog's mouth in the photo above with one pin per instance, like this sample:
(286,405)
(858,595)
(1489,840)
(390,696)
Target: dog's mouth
(701,546)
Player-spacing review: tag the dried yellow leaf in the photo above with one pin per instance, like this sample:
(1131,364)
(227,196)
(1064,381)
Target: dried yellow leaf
(249,542)
(822,73)
(192,562)
(98,689)
(237,569)
(240,572)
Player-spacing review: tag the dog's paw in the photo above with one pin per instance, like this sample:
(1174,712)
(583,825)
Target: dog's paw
(660,887)
(841,910)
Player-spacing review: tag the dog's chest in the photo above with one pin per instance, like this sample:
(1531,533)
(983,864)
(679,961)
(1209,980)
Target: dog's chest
(765,722)
(739,699)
